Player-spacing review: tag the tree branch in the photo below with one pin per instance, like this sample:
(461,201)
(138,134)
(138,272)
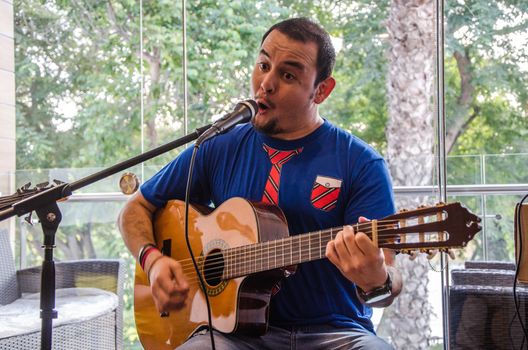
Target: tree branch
(125,33)
(465,100)
(508,30)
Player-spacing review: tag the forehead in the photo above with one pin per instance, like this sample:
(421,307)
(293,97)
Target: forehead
(279,47)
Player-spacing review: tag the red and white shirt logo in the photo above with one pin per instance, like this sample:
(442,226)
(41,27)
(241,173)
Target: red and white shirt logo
(325,192)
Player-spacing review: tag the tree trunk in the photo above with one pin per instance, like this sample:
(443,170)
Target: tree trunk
(410,142)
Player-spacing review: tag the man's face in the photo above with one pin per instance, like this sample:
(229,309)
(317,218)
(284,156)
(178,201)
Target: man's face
(283,85)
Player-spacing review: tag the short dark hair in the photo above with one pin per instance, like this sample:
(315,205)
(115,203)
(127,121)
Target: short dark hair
(305,30)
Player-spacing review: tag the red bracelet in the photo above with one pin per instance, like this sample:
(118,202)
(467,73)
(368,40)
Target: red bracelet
(146,253)
(143,252)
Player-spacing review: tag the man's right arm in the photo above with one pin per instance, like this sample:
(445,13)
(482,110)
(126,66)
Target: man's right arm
(167,282)
(135,223)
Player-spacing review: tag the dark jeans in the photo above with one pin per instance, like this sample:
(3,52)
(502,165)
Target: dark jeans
(295,338)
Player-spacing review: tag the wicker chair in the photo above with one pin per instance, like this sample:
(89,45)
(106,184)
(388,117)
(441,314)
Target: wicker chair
(102,331)
(481,307)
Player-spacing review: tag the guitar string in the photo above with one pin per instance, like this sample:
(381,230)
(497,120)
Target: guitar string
(213,267)
(277,244)
(217,272)
(269,245)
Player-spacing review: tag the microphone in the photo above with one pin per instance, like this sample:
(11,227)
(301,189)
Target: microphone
(242,113)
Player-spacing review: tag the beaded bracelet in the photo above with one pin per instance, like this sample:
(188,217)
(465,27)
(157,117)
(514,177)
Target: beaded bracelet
(144,252)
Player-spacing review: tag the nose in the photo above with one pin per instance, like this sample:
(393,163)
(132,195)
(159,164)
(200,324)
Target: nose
(268,84)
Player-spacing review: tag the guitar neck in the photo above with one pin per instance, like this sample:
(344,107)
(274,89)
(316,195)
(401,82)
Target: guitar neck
(259,257)
(442,227)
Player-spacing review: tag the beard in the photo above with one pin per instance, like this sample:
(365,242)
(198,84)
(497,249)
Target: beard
(269,127)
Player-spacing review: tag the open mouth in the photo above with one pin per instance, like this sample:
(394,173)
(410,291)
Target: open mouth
(263,106)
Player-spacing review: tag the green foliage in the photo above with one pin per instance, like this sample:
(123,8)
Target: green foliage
(80,68)
(490,36)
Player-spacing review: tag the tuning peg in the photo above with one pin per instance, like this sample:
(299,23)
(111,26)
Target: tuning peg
(58,182)
(431,254)
(413,255)
(440,204)
(451,254)
(402,210)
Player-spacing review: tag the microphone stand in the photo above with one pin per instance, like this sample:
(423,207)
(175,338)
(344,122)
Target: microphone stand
(45,205)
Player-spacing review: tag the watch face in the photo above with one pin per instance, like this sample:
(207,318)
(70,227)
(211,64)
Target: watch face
(128,183)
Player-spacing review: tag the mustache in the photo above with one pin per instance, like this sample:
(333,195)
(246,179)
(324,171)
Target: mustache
(264,101)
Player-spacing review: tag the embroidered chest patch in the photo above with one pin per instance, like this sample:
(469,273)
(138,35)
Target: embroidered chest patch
(325,192)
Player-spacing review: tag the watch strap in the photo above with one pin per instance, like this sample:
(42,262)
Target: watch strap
(377,294)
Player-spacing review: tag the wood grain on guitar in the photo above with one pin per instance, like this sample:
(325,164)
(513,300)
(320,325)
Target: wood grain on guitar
(243,250)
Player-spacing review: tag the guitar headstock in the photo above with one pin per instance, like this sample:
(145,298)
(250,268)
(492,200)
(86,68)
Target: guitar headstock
(439,227)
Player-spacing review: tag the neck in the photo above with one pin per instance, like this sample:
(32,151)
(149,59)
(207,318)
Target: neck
(303,131)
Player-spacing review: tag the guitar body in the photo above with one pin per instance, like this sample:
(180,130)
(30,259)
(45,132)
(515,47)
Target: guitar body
(237,305)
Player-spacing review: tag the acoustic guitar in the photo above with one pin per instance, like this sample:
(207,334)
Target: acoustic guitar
(243,250)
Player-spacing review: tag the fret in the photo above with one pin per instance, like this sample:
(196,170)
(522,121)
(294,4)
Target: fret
(261,256)
(251,258)
(274,253)
(309,248)
(225,274)
(299,248)
(240,264)
(268,248)
(253,255)
(314,246)
(295,249)
(330,235)
(234,263)
(320,245)
(291,251)
(304,256)
(245,261)
(280,252)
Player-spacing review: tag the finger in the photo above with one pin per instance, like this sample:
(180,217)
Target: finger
(365,244)
(363,219)
(179,276)
(331,253)
(349,237)
(340,244)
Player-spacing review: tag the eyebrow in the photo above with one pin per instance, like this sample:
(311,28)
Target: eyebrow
(295,64)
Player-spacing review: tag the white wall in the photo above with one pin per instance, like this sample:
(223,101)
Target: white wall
(7,99)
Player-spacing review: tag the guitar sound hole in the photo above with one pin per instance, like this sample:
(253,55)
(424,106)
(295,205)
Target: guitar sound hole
(214,267)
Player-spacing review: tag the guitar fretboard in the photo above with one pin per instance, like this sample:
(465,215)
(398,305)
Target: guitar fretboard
(259,257)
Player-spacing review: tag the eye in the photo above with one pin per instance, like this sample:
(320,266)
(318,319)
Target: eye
(288,76)
(263,66)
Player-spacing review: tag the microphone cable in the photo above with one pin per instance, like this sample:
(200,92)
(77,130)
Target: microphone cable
(517,270)
(189,248)
(243,112)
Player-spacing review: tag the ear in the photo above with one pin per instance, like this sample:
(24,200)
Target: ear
(324,89)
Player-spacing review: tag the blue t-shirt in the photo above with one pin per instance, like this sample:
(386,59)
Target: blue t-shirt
(236,165)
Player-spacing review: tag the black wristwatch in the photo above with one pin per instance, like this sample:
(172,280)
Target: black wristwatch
(377,294)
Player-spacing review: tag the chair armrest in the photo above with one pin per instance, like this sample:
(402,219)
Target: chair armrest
(489,265)
(95,273)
